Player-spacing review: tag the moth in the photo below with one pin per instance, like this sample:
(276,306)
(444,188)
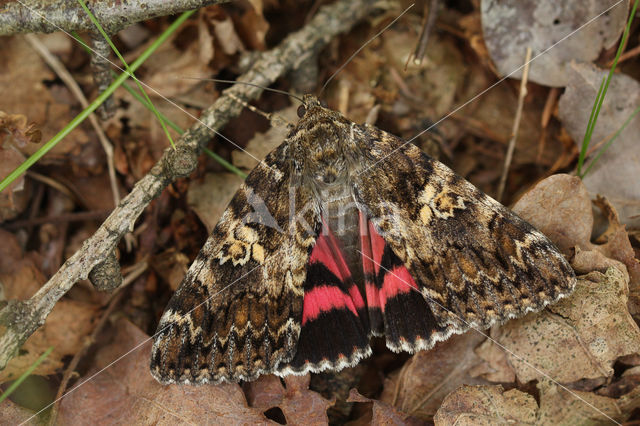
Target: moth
(342,233)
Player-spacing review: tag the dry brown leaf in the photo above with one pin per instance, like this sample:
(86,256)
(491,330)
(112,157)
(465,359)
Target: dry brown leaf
(263,143)
(31,97)
(298,404)
(65,328)
(557,406)
(430,375)
(540,24)
(15,130)
(227,37)
(171,266)
(496,367)
(381,413)
(615,175)
(560,207)
(13,414)
(13,200)
(580,337)
(209,197)
(169,66)
(125,392)
(486,405)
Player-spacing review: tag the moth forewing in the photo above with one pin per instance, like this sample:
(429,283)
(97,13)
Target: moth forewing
(273,290)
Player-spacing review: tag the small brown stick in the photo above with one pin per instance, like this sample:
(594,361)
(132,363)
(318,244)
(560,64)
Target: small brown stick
(421,47)
(625,56)
(101,69)
(516,125)
(62,72)
(547,111)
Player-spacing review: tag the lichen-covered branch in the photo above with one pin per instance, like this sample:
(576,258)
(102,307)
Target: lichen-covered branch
(28,16)
(19,319)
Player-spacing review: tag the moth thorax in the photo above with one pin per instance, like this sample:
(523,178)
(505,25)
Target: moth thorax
(340,213)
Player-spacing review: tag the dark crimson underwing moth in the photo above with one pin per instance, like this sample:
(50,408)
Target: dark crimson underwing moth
(345,232)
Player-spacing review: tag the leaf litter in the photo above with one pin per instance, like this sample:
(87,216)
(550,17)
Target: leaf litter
(587,343)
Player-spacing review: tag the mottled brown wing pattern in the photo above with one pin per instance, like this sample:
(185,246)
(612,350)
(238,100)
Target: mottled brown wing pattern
(237,312)
(475,262)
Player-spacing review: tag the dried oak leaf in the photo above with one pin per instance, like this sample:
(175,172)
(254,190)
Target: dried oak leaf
(14,129)
(615,174)
(32,97)
(14,199)
(558,406)
(578,338)
(65,327)
(125,392)
(429,376)
(298,403)
(210,196)
(14,414)
(486,405)
(542,24)
(560,207)
(263,143)
(381,413)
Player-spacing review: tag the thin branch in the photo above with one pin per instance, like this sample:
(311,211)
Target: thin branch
(19,16)
(516,125)
(21,318)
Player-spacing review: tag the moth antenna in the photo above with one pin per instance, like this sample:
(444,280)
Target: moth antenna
(268,89)
(274,119)
(362,47)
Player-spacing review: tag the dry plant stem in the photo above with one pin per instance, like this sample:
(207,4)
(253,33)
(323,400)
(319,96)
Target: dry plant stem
(101,69)
(62,72)
(421,48)
(17,16)
(516,125)
(20,319)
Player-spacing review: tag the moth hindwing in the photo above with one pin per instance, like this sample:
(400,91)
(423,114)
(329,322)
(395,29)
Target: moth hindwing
(344,232)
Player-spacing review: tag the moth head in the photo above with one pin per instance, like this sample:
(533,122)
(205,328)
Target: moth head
(319,141)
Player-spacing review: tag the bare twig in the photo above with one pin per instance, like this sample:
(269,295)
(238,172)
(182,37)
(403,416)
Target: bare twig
(421,47)
(62,72)
(516,125)
(101,69)
(17,18)
(21,318)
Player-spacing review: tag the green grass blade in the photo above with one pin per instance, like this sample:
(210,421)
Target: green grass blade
(600,97)
(131,74)
(589,131)
(178,129)
(24,375)
(608,144)
(92,107)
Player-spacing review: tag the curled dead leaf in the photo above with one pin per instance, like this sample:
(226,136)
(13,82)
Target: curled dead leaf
(429,376)
(125,392)
(591,329)
(560,207)
(615,173)
(486,405)
(297,403)
(14,129)
(541,25)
